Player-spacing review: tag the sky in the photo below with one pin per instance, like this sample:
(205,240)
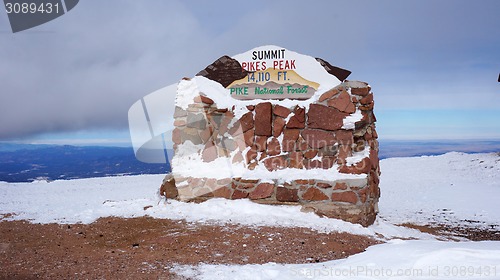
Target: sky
(432,65)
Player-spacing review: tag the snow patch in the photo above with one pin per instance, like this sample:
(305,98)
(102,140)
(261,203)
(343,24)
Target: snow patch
(350,121)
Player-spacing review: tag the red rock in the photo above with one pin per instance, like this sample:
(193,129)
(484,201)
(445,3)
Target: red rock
(310,154)
(223,192)
(168,188)
(367,99)
(301,144)
(179,112)
(179,122)
(250,107)
(197,99)
(301,182)
(318,138)
(251,154)
(246,121)
(176,136)
(206,100)
(349,197)
(275,163)
(344,153)
(252,165)
(328,94)
(368,107)
(211,183)
(374,178)
(312,164)
(278,125)
(298,119)
(296,160)
(273,148)
(206,134)
(281,111)
(237,194)
(249,138)
(203,192)
(244,124)
(245,186)
(368,136)
(289,138)
(375,190)
(197,121)
(196,182)
(262,156)
(238,157)
(343,103)
(323,185)
(313,193)
(253,181)
(226,120)
(327,162)
(359,88)
(263,190)
(286,195)
(374,158)
(362,167)
(340,186)
(261,143)
(363,194)
(263,119)
(344,137)
(325,117)
(209,152)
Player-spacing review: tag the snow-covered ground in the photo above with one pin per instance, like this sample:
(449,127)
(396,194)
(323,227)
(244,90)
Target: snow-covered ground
(396,259)
(453,189)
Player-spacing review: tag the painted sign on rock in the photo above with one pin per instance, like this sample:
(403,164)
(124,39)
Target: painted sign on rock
(277,73)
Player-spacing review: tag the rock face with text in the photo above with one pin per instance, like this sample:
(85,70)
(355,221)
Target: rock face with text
(278,127)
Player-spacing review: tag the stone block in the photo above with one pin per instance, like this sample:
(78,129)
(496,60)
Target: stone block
(298,119)
(324,117)
(290,136)
(318,138)
(273,147)
(281,111)
(261,143)
(263,119)
(287,195)
(197,121)
(278,125)
(342,103)
(238,194)
(348,196)
(329,94)
(314,194)
(275,163)
(263,190)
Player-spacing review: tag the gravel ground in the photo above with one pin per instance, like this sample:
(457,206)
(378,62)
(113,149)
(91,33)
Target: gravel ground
(144,247)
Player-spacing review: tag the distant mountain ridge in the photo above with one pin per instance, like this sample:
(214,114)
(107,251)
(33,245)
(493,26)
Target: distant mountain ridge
(25,163)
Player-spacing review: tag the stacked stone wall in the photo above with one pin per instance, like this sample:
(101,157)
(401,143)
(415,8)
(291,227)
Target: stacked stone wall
(316,136)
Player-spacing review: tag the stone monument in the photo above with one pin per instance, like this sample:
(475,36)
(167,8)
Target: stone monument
(277,127)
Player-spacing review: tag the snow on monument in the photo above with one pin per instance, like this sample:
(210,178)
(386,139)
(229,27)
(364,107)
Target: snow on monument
(277,127)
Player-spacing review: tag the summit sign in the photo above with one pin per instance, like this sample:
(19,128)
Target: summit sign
(273,73)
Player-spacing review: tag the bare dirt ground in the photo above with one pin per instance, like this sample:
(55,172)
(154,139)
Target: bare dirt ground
(146,248)
(458,232)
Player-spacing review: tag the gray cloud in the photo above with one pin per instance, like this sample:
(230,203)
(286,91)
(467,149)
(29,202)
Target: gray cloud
(85,69)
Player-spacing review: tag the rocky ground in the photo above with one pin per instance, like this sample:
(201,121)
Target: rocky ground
(148,248)
(462,232)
